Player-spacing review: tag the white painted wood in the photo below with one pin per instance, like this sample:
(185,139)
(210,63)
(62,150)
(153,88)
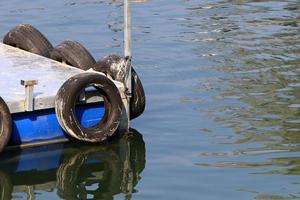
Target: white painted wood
(29,86)
(17,65)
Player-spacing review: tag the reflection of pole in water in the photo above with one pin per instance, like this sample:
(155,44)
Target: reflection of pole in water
(127,175)
(30,192)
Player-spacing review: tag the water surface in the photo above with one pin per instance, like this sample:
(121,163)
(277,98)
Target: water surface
(222,85)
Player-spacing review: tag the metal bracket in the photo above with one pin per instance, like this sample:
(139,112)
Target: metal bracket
(29,101)
(128,83)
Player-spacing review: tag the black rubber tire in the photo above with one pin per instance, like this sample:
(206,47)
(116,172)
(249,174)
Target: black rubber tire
(28,38)
(109,65)
(138,99)
(5,124)
(65,107)
(73,53)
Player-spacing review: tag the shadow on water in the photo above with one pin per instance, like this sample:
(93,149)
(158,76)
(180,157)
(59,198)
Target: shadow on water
(74,171)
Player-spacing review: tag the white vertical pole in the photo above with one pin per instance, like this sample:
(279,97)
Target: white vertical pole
(127,41)
(127,29)
(127,52)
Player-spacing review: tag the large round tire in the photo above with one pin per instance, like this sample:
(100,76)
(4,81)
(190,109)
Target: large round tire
(65,107)
(73,53)
(28,38)
(138,100)
(5,124)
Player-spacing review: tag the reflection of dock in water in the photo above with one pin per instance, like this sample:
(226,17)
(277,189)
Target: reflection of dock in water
(74,171)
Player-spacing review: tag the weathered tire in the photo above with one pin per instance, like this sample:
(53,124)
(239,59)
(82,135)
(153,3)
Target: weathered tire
(73,53)
(65,107)
(28,38)
(138,100)
(5,124)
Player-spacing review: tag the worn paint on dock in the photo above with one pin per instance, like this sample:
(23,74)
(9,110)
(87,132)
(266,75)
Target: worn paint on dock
(17,65)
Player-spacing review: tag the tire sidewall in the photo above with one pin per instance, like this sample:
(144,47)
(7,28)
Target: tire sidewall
(5,124)
(66,99)
(28,38)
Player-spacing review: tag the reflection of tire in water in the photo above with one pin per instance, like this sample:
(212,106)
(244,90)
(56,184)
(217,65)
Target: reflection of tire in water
(5,186)
(134,164)
(100,172)
(138,149)
(76,172)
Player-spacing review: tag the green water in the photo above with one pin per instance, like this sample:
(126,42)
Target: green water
(222,86)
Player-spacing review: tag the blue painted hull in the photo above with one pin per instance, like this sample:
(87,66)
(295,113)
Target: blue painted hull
(42,126)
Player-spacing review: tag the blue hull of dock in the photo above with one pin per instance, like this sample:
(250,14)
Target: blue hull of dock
(43,126)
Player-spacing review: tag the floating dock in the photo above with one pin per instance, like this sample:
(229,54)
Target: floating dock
(50,94)
(33,116)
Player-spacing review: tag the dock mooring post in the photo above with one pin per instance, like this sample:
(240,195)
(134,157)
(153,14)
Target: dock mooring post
(127,52)
(29,100)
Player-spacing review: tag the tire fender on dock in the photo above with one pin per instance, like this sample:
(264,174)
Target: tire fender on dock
(5,124)
(73,53)
(108,65)
(66,100)
(28,38)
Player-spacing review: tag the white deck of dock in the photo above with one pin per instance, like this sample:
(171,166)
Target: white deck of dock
(17,65)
